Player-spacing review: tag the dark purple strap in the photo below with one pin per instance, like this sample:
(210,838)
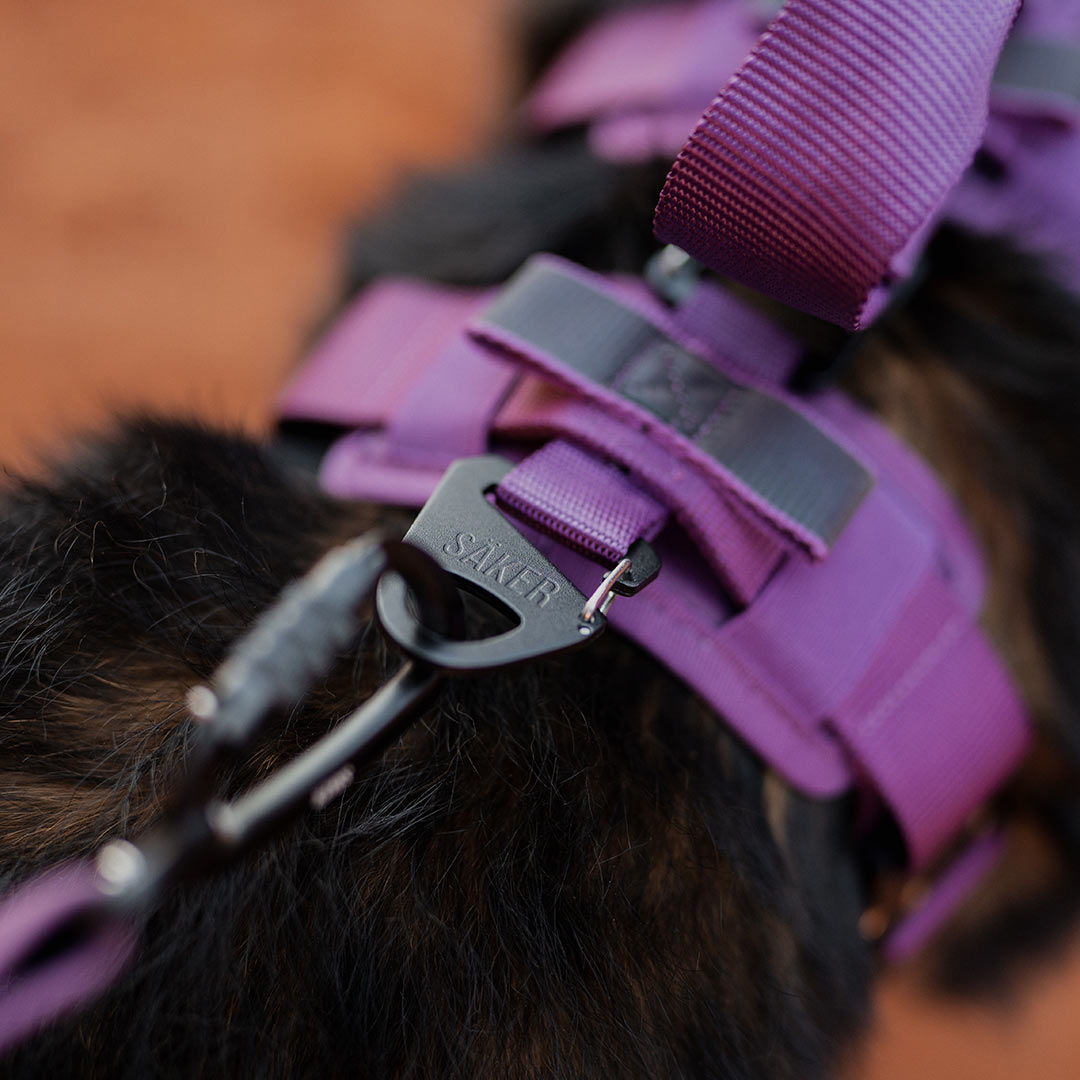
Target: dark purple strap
(37,984)
(823,162)
(640,76)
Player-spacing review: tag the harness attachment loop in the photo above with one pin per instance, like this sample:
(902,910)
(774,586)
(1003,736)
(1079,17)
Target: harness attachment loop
(66,935)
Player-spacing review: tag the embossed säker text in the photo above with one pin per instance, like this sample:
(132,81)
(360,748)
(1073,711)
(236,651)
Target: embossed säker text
(502,567)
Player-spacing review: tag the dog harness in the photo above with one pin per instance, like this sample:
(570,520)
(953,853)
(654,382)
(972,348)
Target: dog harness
(572,433)
(819,589)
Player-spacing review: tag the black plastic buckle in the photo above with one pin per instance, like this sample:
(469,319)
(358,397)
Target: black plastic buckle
(487,556)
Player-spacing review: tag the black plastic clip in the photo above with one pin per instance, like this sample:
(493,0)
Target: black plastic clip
(295,640)
(489,557)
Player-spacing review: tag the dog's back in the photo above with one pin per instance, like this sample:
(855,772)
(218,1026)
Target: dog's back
(569,870)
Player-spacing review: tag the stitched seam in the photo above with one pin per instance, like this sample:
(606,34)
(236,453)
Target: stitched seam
(614,405)
(928,659)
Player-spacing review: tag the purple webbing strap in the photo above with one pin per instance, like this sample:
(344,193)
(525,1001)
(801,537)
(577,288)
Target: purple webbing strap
(741,549)
(78,973)
(942,898)
(398,369)
(824,161)
(592,506)
(447,412)
(364,367)
(640,77)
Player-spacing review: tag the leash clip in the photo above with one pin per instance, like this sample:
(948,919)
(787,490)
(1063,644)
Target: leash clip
(487,556)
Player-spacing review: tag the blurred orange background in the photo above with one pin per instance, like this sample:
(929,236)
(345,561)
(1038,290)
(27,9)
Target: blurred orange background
(173,183)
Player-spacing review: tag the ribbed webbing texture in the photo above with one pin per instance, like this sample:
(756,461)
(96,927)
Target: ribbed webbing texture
(588,504)
(830,152)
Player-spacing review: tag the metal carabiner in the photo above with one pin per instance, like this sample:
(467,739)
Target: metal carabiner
(290,645)
(86,918)
(66,934)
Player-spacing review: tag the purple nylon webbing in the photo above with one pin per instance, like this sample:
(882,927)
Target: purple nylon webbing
(638,80)
(569,494)
(398,368)
(591,506)
(640,77)
(619,349)
(830,152)
(447,411)
(742,550)
(444,400)
(76,975)
(400,324)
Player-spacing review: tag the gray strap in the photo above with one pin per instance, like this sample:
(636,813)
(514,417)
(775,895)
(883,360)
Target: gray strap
(766,443)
